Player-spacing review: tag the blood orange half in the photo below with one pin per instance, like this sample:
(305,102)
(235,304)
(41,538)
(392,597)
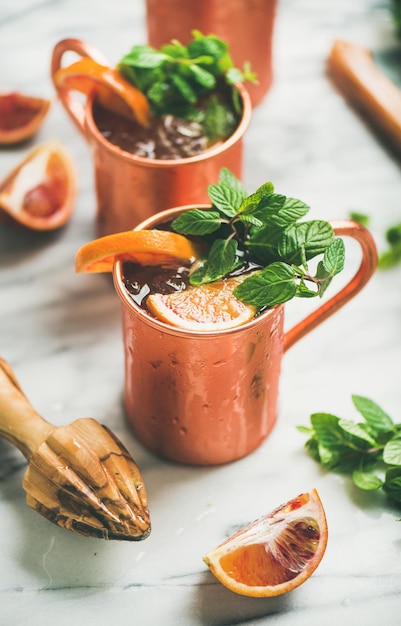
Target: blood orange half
(40,192)
(277,552)
(21,116)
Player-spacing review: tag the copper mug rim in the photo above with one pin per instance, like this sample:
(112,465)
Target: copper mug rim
(163,326)
(363,274)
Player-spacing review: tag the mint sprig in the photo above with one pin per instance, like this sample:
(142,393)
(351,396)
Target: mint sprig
(263,229)
(369,451)
(392,256)
(395,7)
(194,82)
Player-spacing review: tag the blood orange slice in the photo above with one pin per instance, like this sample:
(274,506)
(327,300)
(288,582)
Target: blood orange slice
(111,88)
(40,192)
(207,307)
(276,553)
(147,247)
(21,116)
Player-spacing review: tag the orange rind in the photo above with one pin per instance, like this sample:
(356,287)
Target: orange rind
(276,553)
(40,192)
(21,116)
(111,89)
(146,247)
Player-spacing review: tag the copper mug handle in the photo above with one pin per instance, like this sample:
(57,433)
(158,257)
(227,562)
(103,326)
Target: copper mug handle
(367,267)
(73,107)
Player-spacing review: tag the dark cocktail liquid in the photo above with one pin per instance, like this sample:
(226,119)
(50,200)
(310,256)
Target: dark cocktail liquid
(140,281)
(166,137)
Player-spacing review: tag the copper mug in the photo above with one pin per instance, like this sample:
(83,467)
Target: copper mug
(206,398)
(246,25)
(130,188)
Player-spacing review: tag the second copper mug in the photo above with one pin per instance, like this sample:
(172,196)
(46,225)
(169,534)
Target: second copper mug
(130,188)
(246,25)
(205,398)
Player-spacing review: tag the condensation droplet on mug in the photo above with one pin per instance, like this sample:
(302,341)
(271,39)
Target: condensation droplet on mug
(219,363)
(155,364)
(173,359)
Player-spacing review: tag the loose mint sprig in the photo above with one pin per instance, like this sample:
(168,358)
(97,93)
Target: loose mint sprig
(395,7)
(176,78)
(370,451)
(390,257)
(263,228)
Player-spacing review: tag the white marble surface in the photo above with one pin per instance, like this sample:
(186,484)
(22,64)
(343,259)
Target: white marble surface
(61,333)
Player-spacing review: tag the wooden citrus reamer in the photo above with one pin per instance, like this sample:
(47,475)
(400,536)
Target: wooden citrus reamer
(79,476)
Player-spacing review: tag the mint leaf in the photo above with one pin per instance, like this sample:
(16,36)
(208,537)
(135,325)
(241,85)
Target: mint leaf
(219,119)
(144,57)
(225,198)
(392,451)
(291,211)
(392,483)
(305,241)
(209,45)
(366,480)
(251,204)
(303,291)
(250,219)
(235,75)
(328,458)
(221,261)
(203,77)
(228,179)
(390,258)
(267,189)
(273,285)
(327,431)
(333,257)
(356,434)
(264,243)
(323,278)
(269,207)
(174,49)
(197,222)
(184,88)
(331,264)
(361,218)
(377,419)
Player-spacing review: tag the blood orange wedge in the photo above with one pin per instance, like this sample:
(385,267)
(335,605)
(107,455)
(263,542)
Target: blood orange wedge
(40,192)
(21,116)
(111,88)
(276,553)
(147,247)
(207,307)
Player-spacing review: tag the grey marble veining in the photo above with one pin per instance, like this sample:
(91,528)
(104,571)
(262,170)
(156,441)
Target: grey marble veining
(61,333)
